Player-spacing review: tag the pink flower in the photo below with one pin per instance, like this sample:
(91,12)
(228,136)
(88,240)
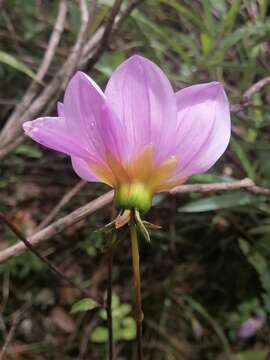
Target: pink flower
(139,137)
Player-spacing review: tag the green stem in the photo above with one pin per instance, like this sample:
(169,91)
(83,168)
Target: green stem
(137,284)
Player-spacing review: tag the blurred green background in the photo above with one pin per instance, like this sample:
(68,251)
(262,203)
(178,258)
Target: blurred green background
(206,272)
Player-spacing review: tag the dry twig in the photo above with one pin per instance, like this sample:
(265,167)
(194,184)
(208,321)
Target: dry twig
(42,71)
(58,226)
(65,199)
(249,93)
(10,335)
(82,212)
(52,267)
(241,184)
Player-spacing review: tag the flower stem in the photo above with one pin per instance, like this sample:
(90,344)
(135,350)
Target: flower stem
(137,284)
(109,305)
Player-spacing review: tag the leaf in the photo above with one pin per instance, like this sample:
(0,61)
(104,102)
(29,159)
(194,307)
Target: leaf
(84,305)
(218,202)
(99,335)
(243,157)
(10,60)
(206,43)
(251,355)
(29,151)
(129,329)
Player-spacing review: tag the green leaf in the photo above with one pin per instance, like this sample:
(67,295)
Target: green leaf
(84,305)
(99,335)
(251,355)
(11,61)
(29,151)
(206,43)
(243,157)
(129,329)
(218,202)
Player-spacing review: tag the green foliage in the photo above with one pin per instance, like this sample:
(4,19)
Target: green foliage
(124,326)
(11,61)
(220,202)
(83,305)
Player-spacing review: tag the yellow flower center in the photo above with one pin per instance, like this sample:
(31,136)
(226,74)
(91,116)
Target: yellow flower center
(136,181)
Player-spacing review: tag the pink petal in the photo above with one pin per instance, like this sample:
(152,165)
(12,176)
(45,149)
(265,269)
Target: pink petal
(143,99)
(82,169)
(88,116)
(53,133)
(60,109)
(204,127)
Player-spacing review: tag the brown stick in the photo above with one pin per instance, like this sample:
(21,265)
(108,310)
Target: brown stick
(57,226)
(53,268)
(65,199)
(10,335)
(106,34)
(249,93)
(100,202)
(12,129)
(241,184)
(42,71)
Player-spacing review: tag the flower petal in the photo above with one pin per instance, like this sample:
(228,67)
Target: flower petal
(82,169)
(204,127)
(52,132)
(88,116)
(143,99)
(60,109)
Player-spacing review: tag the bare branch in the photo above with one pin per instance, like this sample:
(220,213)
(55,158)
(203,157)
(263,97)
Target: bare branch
(11,146)
(249,93)
(184,189)
(65,199)
(10,335)
(106,34)
(58,82)
(82,212)
(53,268)
(58,226)
(42,71)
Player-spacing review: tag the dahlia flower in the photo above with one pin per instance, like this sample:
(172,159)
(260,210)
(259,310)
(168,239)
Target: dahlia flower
(137,136)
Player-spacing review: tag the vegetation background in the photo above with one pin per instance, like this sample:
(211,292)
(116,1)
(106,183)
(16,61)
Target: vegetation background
(206,272)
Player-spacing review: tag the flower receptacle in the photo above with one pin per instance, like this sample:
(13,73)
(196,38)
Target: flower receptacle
(134,196)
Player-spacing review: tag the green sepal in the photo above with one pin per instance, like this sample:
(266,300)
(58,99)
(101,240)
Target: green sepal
(141,226)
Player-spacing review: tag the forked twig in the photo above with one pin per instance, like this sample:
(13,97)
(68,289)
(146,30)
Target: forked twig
(82,212)
(52,267)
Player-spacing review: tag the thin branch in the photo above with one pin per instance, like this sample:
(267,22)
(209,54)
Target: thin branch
(11,130)
(58,226)
(52,267)
(42,71)
(241,184)
(93,44)
(58,207)
(249,93)
(11,146)
(10,335)
(82,212)
(106,34)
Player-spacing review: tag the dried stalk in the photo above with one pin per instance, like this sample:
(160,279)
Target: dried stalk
(52,267)
(100,202)
(42,71)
